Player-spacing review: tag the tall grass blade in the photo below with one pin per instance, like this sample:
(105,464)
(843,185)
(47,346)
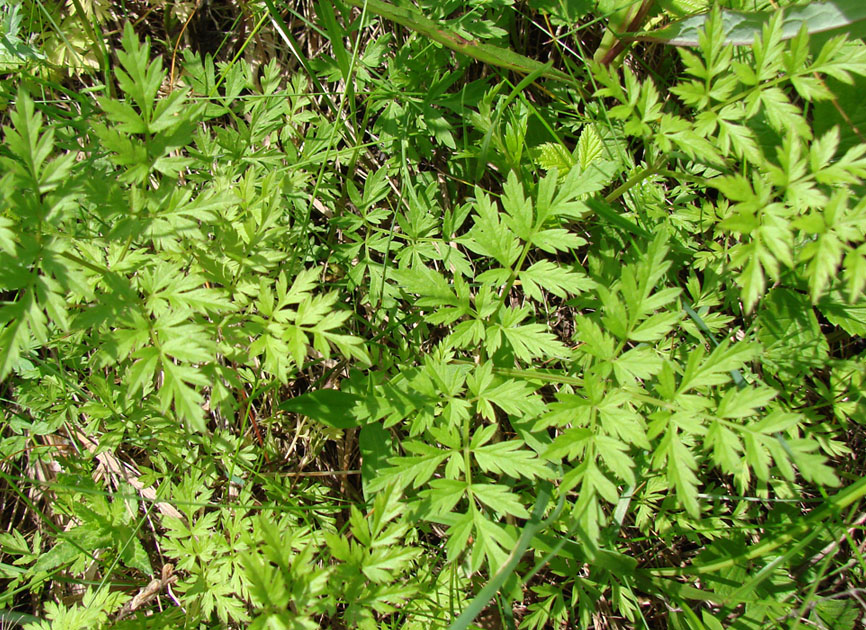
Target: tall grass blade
(834,505)
(480,601)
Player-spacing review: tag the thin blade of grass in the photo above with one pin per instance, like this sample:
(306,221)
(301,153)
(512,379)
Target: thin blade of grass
(834,504)
(480,601)
(286,34)
(335,35)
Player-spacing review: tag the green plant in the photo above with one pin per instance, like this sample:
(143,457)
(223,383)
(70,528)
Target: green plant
(400,340)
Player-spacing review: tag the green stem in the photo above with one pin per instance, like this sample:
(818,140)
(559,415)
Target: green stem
(485,53)
(84,263)
(513,277)
(636,179)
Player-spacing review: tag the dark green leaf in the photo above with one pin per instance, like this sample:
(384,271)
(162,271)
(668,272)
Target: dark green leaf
(375,444)
(789,330)
(328,406)
(741,28)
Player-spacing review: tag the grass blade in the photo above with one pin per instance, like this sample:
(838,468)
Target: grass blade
(480,601)
(838,502)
